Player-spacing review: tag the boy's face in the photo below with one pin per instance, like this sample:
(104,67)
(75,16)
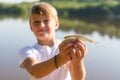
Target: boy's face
(43,26)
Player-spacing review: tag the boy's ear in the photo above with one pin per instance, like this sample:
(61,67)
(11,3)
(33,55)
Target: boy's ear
(30,26)
(57,24)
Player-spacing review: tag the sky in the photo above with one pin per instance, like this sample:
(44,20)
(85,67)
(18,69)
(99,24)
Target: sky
(16,1)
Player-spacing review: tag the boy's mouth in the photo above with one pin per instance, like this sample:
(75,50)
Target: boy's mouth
(42,31)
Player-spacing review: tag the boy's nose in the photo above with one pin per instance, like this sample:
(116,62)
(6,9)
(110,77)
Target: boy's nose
(42,24)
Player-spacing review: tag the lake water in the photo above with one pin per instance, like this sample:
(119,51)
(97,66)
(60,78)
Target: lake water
(102,61)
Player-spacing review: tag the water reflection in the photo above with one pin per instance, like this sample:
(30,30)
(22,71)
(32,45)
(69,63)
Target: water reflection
(102,62)
(88,25)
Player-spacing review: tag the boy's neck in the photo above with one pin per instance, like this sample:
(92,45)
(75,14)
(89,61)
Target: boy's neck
(47,42)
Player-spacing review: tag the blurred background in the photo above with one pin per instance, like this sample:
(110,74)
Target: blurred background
(98,20)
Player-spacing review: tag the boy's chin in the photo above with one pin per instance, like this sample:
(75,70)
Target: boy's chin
(43,38)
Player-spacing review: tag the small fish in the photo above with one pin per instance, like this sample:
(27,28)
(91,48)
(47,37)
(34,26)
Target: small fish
(81,37)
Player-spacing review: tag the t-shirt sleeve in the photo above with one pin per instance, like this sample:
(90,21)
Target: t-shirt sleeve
(25,53)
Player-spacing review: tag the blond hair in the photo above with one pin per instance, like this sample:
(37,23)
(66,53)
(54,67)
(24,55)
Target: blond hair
(44,8)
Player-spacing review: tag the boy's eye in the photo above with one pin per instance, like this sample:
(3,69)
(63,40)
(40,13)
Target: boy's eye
(36,22)
(46,21)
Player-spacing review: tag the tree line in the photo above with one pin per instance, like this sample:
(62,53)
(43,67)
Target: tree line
(73,9)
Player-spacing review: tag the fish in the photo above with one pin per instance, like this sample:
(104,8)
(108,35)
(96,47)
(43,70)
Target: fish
(81,37)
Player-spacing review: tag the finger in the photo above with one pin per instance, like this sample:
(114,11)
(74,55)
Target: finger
(73,56)
(78,53)
(66,41)
(68,51)
(81,47)
(78,40)
(65,47)
(66,44)
(85,51)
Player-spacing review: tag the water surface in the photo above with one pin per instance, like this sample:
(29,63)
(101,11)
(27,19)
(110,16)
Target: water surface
(102,62)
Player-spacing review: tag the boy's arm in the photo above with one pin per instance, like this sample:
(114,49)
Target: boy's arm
(77,68)
(39,70)
(42,69)
(78,71)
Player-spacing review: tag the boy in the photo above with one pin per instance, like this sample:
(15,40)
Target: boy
(43,59)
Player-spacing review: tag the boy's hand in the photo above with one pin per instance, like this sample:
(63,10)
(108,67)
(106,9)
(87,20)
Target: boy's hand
(65,48)
(79,51)
(76,65)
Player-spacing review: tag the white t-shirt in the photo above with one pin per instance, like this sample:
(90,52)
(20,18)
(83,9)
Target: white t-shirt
(42,53)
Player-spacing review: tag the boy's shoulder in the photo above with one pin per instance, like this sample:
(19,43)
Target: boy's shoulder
(29,47)
(26,48)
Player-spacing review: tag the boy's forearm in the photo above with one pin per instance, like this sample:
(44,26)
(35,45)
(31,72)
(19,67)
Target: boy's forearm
(78,71)
(82,71)
(39,70)
(62,60)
